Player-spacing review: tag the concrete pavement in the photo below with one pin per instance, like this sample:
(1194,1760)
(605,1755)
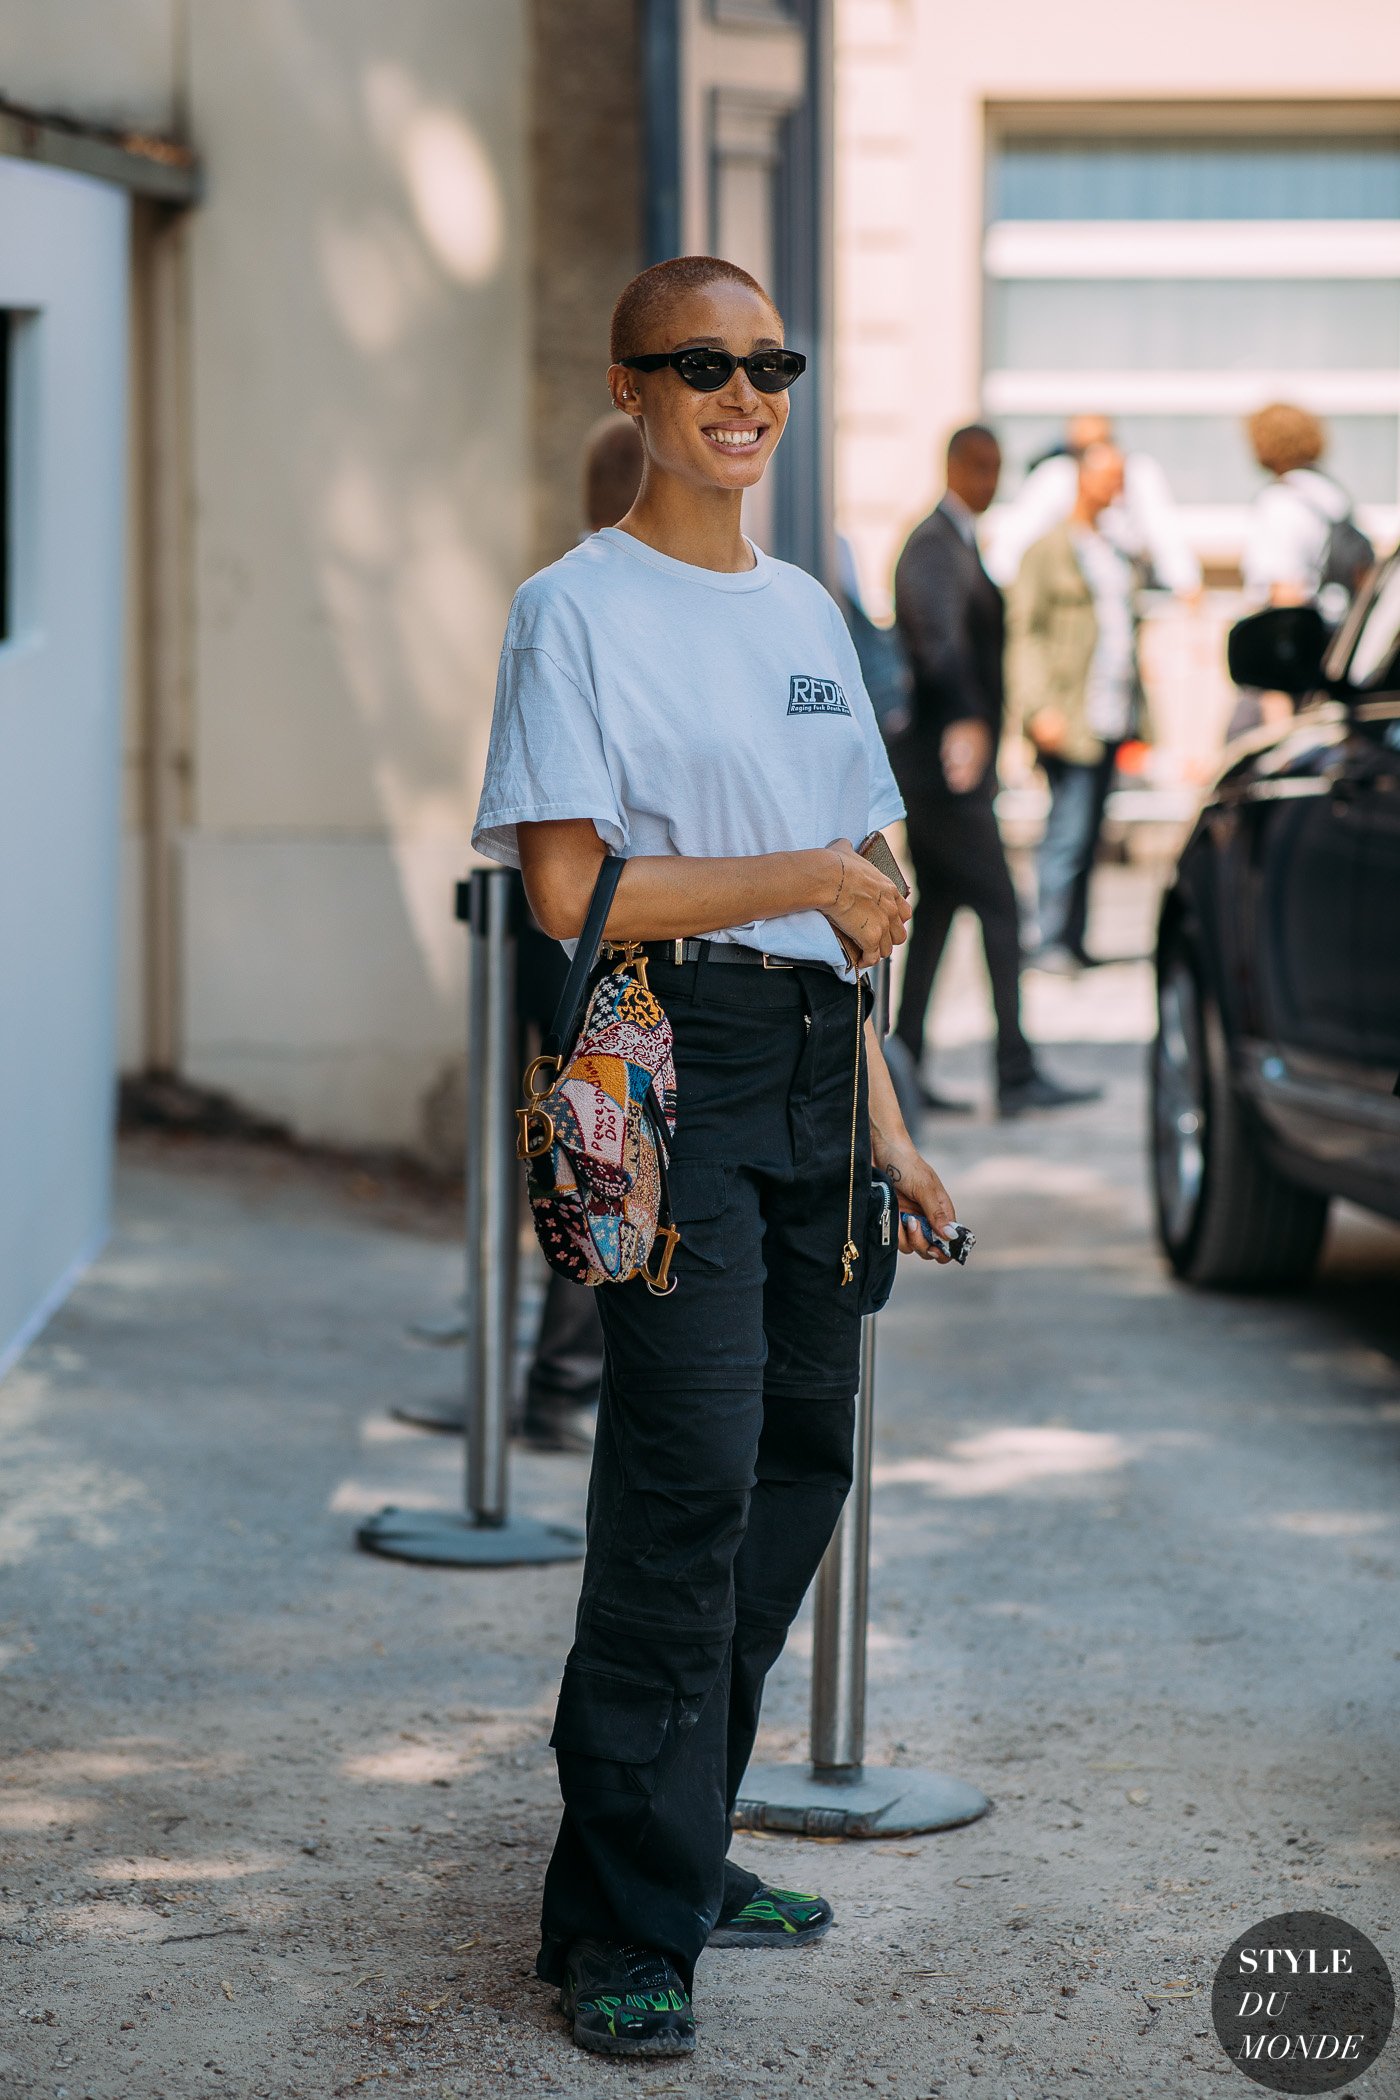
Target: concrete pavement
(273,1814)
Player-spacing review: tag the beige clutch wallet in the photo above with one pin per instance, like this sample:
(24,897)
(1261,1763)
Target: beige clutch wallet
(875,849)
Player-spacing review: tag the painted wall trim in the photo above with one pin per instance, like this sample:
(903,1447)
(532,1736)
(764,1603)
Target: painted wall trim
(148,166)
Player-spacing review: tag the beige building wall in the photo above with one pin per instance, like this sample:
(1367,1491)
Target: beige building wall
(586,235)
(352,347)
(359,368)
(918,84)
(105,63)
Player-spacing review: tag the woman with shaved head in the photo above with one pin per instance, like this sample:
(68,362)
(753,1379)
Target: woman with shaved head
(673,696)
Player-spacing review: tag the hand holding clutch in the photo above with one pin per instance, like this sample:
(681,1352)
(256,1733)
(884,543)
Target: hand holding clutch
(876,850)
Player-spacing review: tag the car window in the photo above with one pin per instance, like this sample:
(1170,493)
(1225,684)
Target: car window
(1373,662)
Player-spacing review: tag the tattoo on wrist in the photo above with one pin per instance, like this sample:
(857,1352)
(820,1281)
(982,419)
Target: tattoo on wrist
(889,1170)
(841,885)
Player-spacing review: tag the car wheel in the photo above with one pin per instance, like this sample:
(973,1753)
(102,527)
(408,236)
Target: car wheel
(1225,1215)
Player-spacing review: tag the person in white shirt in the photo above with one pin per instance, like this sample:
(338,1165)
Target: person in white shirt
(1290,529)
(672,696)
(1143,522)
(1072,673)
(1291,518)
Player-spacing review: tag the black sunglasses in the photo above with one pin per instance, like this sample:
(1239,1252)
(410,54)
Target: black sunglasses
(707,370)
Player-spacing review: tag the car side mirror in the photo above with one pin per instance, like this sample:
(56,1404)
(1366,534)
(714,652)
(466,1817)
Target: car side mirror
(1280,649)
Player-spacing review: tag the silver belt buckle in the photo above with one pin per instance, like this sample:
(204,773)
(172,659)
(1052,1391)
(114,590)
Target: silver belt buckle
(775,962)
(678,952)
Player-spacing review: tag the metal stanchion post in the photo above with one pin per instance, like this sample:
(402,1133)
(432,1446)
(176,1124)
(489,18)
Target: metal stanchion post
(488,1535)
(837,1794)
(490,1211)
(842,1603)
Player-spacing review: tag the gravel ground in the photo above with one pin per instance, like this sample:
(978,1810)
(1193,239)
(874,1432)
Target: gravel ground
(273,1813)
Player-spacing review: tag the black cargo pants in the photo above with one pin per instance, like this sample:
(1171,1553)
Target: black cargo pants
(722,1460)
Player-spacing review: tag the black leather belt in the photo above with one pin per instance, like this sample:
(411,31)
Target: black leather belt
(689,951)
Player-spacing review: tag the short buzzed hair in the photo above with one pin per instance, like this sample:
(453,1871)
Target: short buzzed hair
(647,297)
(971,434)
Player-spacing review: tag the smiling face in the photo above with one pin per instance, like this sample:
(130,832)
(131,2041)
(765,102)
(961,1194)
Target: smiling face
(717,441)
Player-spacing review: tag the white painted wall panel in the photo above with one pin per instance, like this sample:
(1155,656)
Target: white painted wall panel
(63,262)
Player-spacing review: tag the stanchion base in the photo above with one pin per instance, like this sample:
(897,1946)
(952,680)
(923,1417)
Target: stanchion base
(877,1801)
(447,1418)
(443,1540)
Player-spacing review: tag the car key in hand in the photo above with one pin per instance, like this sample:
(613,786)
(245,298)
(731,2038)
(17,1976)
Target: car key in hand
(957,1246)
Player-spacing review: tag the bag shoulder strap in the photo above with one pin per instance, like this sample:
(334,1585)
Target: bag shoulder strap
(566,1015)
(1309,502)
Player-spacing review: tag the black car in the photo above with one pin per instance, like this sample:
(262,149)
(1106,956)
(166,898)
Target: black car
(1277,1057)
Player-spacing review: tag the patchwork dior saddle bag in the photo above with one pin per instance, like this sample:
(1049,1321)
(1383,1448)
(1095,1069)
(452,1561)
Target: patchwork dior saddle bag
(599,1115)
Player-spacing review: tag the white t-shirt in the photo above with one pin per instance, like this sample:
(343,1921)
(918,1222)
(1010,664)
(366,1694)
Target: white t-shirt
(1290,521)
(685,711)
(1109,698)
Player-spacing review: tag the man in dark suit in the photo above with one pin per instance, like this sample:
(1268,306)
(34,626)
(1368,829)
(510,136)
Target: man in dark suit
(951,621)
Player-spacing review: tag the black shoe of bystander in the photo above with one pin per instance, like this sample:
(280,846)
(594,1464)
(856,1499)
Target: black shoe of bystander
(943,1104)
(571,1429)
(1041,1092)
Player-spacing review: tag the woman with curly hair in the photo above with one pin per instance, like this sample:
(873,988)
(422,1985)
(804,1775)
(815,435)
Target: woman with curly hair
(1293,514)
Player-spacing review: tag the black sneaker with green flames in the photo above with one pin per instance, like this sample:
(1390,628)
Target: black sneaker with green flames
(626,2001)
(774,1918)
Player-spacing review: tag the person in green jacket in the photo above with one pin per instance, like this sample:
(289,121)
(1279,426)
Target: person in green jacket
(1073,685)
